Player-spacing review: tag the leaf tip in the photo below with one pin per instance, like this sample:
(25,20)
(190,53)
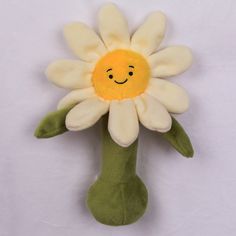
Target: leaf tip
(189,153)
(38,134)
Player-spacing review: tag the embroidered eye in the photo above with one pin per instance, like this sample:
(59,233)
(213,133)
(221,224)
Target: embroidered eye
(110,76)
(131,72)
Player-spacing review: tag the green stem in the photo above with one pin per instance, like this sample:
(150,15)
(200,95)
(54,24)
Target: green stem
(118,197)
(118,163)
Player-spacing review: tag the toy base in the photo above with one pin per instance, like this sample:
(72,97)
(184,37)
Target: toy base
(117,203)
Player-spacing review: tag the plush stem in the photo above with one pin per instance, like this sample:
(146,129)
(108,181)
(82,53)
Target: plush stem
(118,163)
(118,197)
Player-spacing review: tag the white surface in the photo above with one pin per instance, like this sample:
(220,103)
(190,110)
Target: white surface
(43,183)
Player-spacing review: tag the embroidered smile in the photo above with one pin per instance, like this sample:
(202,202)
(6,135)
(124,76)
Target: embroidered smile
(122,82)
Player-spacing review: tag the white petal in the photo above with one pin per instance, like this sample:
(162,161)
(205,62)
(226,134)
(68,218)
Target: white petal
(84,42)
(172,96)
(70,74)
(123,122)
(152,114)
(150,34)
(170,61)
(76,96)
(86,114)
(113,27)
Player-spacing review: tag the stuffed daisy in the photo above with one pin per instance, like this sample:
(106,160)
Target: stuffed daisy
(125,76)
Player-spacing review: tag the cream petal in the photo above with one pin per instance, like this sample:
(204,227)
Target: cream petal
(84,42)
(170,61)
(113,27)
(123,122)
(76,96)
(172,96)
(86,114)
(152,114)
(150,34)
(70,74)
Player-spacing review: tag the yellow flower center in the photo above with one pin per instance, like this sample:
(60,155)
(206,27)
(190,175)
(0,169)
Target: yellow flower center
(121,74)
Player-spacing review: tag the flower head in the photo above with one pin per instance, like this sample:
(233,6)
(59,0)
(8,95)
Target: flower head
(121,75)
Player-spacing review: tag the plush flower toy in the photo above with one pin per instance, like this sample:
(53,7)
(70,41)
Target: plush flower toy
(122,81)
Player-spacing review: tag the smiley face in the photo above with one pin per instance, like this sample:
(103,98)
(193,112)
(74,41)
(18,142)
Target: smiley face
(121,74)
(124,81)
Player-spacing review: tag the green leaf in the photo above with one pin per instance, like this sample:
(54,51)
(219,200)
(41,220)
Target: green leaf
(52,124)
(178,138)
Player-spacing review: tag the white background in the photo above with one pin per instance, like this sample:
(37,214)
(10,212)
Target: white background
(43,183)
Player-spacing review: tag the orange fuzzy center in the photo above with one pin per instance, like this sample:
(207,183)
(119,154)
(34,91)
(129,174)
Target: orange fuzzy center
(121,74)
